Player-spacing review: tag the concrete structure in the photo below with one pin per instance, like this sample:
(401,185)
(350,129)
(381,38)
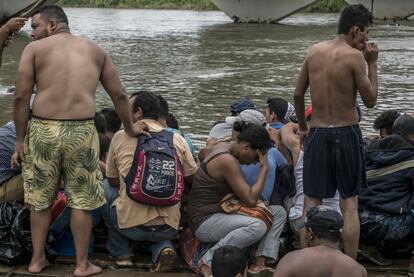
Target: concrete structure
(271,11)
(10,8)
(386,9)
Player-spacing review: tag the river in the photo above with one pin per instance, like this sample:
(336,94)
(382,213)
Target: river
(200,61)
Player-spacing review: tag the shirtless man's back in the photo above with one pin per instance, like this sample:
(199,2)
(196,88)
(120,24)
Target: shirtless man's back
(333,154)
(62,142)
(322,258)
(319,261)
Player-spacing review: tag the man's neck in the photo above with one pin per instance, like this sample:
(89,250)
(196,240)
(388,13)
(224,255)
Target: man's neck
(327,244)
(345,39)
(62,30)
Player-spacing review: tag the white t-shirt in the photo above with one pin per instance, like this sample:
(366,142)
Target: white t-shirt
(298,200)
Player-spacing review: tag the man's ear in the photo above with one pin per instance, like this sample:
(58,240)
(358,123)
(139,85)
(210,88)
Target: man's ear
(52,25)
(355,30)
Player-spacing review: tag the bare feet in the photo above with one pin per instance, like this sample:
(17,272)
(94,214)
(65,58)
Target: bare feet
(204,269)
(88,271)
(37,267)
(260,271)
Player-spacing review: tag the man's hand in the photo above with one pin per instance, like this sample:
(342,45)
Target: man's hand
(303,135)
(371,52)
(139,128)
(18,155)
(7,41)
(15,24)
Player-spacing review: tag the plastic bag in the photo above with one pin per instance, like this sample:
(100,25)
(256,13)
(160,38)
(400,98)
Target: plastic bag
(15,236)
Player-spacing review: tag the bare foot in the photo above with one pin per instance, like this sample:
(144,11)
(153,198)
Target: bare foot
(38,267)
(205,269)
(89,271)
(260,270)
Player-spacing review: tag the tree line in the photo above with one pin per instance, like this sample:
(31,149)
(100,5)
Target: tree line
(321,6)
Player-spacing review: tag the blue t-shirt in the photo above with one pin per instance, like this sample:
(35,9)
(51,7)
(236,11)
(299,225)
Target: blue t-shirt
(187,139)
(276,125)
(251,172)
(7,146)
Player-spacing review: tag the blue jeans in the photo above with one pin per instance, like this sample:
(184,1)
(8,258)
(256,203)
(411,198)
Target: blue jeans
(242,231)
(391,233)
(120,241)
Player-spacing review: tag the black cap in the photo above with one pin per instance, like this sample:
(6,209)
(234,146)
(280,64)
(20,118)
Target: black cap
(323,219)
(282,108)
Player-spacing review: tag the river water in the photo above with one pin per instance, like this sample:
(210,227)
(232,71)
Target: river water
(201,62)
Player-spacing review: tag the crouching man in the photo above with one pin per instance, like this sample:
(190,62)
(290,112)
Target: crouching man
(322,258)
(128,220)
(387,205)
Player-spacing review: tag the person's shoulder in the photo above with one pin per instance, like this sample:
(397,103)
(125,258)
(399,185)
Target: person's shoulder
(120,136)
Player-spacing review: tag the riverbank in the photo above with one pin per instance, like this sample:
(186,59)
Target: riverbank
(322,6)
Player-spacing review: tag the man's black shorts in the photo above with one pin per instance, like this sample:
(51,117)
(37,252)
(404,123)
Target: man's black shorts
(334,160)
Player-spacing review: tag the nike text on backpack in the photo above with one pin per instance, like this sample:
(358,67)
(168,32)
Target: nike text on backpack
(156,176)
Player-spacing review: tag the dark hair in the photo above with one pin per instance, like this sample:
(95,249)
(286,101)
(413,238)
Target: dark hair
(100,123)
(386,120)
(148,102)
(404,125)
(326,235)
(172,121)
(240,125)
(104,143)
(228,261)
(51,12)
(354,15)
(164,111)
(257,136)
(113,123)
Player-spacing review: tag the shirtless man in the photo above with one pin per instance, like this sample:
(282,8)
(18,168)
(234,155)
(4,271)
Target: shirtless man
(62,142)
(322,258)
(6,31)
(335,70)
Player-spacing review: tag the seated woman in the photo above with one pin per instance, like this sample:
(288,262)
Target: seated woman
(220,174)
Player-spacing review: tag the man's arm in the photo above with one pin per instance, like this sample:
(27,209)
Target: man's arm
(299,100)
(290,139)
(25,81)
(13,25)
(7,30)
(367,85)
(286,267)
(112,84)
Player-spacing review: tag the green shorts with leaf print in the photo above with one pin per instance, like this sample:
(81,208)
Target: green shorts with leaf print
(62,151)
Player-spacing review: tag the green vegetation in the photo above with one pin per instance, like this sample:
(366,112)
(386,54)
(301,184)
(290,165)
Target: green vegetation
(321,6)
(329,6)
(143,4)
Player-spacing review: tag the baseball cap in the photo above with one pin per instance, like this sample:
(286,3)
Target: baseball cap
(323,219)
(248,116)
(281,107)
(221,132)
(241,105)
(404,125)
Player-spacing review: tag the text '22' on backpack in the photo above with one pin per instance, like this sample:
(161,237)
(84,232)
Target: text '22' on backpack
(156,176)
